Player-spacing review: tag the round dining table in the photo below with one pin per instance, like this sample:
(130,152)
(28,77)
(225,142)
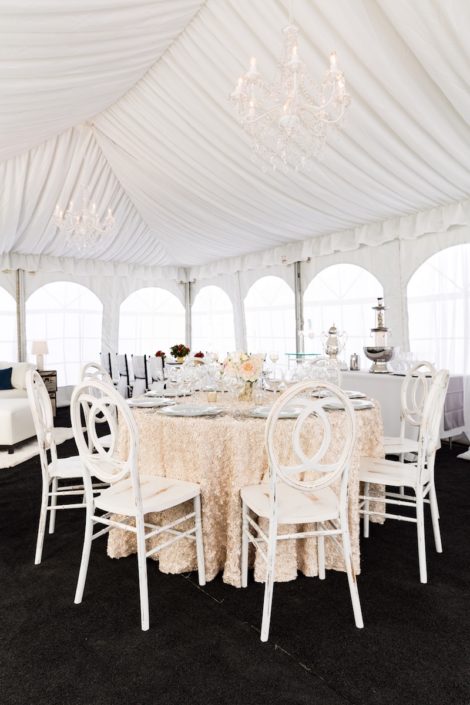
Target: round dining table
(223,453)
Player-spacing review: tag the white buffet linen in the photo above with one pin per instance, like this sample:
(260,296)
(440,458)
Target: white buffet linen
(386,390)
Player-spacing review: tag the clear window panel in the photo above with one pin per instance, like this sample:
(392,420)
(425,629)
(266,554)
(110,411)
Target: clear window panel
(342,294)
(212,322)
(8,343)
(439,309)
(69,317)
(270,317)
(150,319)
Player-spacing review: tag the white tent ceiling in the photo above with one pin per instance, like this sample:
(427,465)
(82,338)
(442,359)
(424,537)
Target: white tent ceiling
(166,152)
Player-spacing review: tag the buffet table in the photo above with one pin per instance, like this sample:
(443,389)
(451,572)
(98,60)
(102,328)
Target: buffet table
(223,454)
(386,390)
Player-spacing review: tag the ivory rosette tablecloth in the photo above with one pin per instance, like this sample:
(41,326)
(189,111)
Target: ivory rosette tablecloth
(223,454)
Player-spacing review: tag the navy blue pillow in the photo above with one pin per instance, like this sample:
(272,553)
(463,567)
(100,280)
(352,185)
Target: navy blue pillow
(5,378)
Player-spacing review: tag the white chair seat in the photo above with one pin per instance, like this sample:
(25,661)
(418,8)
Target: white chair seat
(158,494)
(294,507)
(396,445)
(66,468)
(388,472)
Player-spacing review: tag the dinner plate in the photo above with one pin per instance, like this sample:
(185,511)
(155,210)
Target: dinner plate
(152,403)
(358,405)
(171,393)
(349,393)
(262,412)
(190,410)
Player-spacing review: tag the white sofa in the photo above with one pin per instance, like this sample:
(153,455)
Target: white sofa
(16,420)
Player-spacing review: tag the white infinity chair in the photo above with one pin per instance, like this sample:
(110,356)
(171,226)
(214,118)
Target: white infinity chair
(129,496)
(293,496)
(53,468)
(414,391)
(417,476)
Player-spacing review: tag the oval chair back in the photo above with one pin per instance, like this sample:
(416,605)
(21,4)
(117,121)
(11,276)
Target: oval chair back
(429,436)
(93,370)
(43,418)
(97,400)
(414,391)
(317,469)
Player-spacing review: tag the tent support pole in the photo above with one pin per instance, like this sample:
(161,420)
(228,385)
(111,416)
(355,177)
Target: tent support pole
(20,316)
(187,308)
(299,308)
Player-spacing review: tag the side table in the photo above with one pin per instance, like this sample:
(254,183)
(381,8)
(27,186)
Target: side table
(49,377)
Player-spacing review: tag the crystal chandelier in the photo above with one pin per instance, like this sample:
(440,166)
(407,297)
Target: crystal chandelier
(289,122)
(82,226)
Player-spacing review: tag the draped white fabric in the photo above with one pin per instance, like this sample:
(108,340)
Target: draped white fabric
(169,157)
(64,62)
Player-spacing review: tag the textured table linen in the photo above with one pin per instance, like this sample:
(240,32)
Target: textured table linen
(223,454)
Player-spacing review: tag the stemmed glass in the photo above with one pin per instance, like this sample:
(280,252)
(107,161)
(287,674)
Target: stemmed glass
(274,357)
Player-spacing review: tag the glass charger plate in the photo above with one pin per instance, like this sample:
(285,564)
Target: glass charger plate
(358,405)
(349,393)
(262,412)
(188,410)
(152,403)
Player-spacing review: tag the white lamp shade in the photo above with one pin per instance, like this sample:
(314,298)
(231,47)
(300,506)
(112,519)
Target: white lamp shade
(39,347)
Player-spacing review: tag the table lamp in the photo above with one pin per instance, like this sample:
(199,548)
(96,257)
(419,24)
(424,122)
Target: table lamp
(39,348)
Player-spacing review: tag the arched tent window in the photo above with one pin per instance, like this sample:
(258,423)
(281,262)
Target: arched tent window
(69,317)
(8,349)
(341,294)
(150,319)
(439,309)
(270,317)
(212,321)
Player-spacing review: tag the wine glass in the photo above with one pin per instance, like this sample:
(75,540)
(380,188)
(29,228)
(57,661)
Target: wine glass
(274,357)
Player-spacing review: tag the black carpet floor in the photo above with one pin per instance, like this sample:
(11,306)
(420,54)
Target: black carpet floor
(203,645)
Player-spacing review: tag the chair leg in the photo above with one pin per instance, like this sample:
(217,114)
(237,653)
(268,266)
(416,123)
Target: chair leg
(435,518)
(42,524)
(142,563)
(52,512)
(269,586)
(421,538)
(245,545)
(201,569)
(366,508)
(401,458)
(87,540)
(321,557)
(352,580)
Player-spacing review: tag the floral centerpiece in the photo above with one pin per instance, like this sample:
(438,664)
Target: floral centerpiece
(199,357)
(247,368)
(179,352)
(161,354)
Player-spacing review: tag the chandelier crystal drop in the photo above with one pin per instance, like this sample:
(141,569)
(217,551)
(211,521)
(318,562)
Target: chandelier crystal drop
(289,122)
(82,227)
